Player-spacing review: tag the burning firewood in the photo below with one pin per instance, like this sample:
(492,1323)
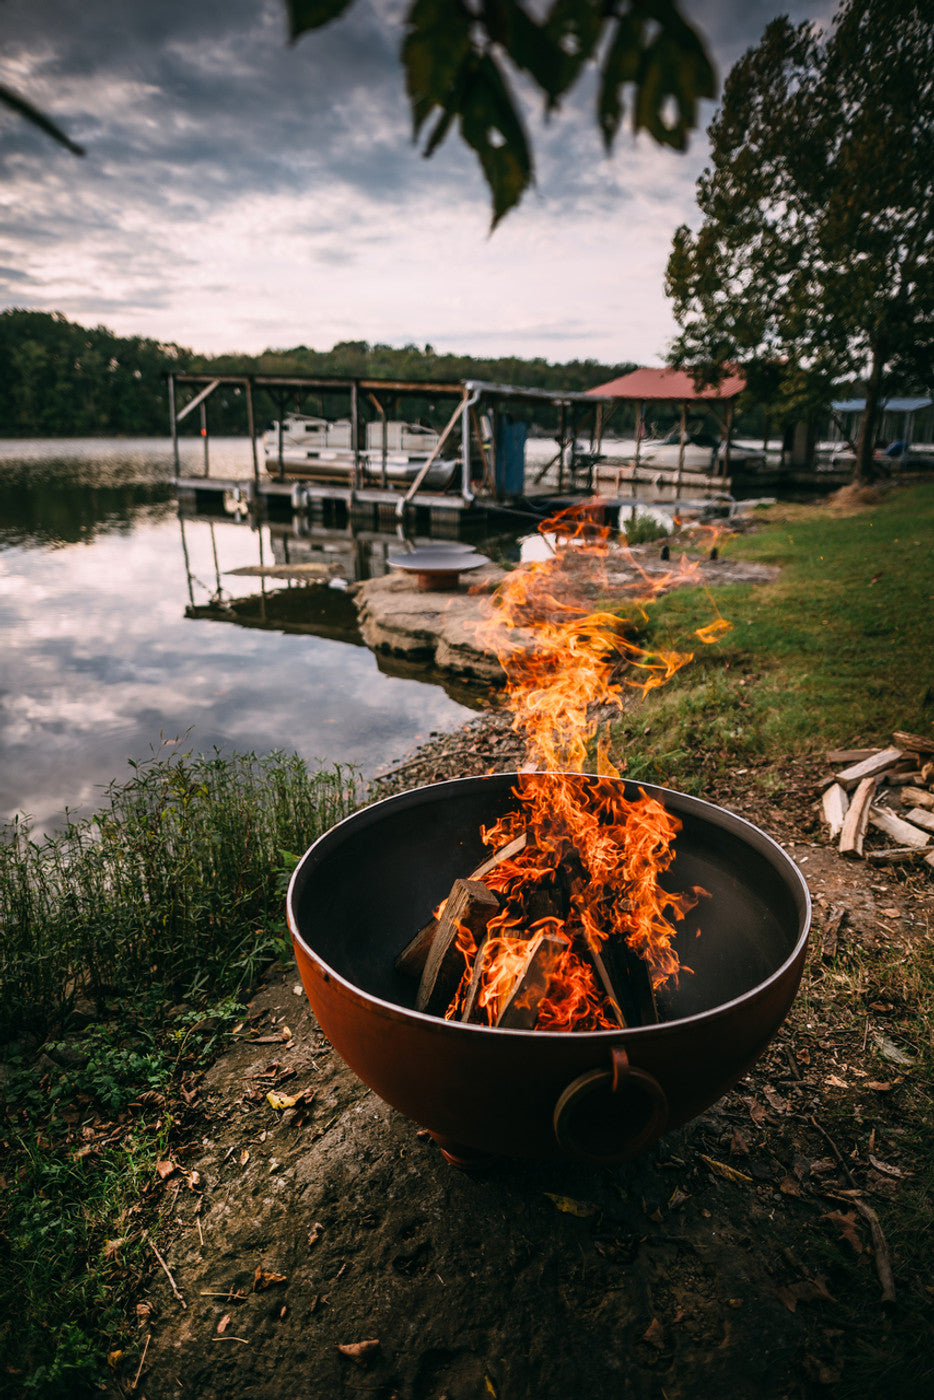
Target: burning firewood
(521,1009)
(470,905)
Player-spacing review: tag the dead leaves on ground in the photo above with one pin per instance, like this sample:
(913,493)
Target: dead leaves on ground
(360,1352)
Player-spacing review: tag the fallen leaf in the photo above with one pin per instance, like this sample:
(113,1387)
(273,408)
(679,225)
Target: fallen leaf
(723,1169)
(678,1198)
(165,1169)
(282,1100)
(114,1358)
(244,1156)
(143,1311)
(757,1112)
(314,1233)
(570,1206)
(359,1351)
(739,1144)
(223,1324)
(654,1334)
(886,1168)
(808,1290)
(775,1100)
(881,1087)
(790,1187)
(491,1388)
(836,1082)
(845,1222)
(265,1278)
(890,1051)
(112,1247)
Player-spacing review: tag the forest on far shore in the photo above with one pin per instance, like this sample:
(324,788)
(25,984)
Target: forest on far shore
(59,379)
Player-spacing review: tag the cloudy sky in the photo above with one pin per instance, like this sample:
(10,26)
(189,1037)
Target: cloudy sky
(240,193)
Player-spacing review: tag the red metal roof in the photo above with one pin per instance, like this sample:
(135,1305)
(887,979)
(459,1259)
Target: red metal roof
(667,384)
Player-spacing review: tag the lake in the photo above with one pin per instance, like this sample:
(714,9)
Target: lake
(122,628)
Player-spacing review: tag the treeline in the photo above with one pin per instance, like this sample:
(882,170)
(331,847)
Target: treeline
(59,379)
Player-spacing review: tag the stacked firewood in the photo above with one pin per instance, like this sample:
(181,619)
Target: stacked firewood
(436,956)
(891,790)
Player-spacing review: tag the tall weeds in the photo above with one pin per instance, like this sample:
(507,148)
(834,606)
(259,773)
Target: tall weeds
(172,884)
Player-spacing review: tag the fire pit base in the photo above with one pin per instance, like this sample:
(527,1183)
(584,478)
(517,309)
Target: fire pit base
(362,890)
(468,1159)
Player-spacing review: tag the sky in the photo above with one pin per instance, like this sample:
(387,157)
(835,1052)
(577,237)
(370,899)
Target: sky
(241,193)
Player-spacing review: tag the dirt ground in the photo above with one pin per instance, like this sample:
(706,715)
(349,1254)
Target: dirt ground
(326,1249)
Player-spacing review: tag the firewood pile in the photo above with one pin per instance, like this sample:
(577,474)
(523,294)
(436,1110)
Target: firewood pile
(890,790)
(543,937)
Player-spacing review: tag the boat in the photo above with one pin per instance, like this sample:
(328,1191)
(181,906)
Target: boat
(305,448)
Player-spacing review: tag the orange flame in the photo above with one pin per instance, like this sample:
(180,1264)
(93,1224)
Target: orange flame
(592,858)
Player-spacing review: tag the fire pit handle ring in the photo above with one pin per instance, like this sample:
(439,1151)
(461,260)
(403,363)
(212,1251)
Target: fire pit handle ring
(610,1115)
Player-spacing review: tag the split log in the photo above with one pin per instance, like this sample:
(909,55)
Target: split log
(633,981)
(918,743)
(919,817)
(919,796)
(830,936)
(836,756)
(870,767)
(604,980)
(898,855)
(414,955)
(470,903)
(521,1009)
(507,852)
(471,1012)
(835,802)
(853,830)
(901,831)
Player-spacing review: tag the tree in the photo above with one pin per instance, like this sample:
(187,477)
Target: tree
(815,258)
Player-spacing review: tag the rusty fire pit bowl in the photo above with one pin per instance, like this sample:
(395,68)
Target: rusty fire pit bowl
(363,890)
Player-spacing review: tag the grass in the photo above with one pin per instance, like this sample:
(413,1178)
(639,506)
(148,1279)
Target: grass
(837,651)
(172,884)
(128,940)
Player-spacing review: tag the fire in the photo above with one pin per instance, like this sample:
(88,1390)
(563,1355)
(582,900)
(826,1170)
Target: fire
(587,880)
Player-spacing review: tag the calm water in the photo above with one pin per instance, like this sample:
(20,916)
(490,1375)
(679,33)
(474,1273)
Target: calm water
(121,627)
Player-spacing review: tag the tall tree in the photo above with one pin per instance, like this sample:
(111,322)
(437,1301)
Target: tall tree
(815,257)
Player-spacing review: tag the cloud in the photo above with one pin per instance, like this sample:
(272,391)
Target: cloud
(240,191)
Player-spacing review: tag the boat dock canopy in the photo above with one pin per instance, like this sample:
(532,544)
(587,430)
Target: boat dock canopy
(667,386)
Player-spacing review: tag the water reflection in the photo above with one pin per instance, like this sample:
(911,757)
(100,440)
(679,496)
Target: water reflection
(111,642)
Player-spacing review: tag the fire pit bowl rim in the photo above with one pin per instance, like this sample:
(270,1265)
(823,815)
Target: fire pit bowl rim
(718,816)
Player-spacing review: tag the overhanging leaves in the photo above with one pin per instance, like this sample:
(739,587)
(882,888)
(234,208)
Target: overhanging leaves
(305,15)
(456,58)
(491,126)
(20,105)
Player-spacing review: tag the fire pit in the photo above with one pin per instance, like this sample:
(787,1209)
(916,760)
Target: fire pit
(364,888)
(437,568)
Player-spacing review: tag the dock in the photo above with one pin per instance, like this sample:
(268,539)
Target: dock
(481,434)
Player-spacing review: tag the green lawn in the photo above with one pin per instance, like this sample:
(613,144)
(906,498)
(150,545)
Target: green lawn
(837,651)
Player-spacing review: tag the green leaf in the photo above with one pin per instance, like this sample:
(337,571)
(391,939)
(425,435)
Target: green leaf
(620,66)
(491,125)
(673,66)
(435,50)
(305,15)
